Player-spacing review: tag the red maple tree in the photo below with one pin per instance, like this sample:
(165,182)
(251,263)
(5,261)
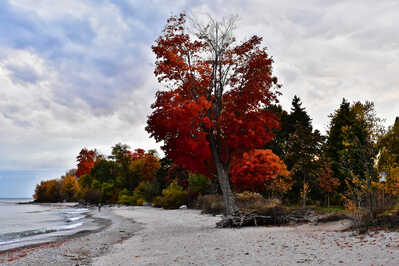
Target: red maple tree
(86,160)
(213,109)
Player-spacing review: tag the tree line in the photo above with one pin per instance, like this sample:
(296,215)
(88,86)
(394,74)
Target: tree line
(356,162)
(223,132)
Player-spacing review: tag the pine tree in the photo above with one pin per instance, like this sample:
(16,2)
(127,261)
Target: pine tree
(299,146)
(351,145)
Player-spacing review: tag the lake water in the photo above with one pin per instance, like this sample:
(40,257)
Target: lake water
(24,224)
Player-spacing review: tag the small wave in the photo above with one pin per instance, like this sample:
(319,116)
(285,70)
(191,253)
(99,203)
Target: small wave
(76,211)
(38,211)
(71,226)
(10,241)
(71,219)
(18,235)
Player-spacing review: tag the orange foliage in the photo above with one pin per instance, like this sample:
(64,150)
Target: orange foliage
(48,191)
(327,182)
(259,169)
(69,187)
(144,165)
(86,160)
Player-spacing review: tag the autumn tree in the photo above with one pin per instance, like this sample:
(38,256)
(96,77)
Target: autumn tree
(327,182)
(388,159)
(213,108)
(48,191)
(69,187)
(261,171)
(388,145)
(145,166)
(86,160)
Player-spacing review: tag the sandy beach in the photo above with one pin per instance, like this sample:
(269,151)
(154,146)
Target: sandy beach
(151,236)
(185,237)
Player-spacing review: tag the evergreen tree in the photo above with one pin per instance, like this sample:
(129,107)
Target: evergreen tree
(351,145)
(303,153)
(277,145)
(299,147)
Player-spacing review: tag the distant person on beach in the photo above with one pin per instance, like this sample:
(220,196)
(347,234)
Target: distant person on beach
(99,207)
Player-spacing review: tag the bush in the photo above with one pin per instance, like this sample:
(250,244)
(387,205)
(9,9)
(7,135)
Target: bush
(198,183)
(212,204)
(146,191)
(157,202)
(130,200)
(140,202)
(124,192)
(173,197)
(255,202)
(124,199)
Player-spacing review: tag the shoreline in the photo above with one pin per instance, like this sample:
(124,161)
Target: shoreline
(92,224)
(78,248)
(152,236)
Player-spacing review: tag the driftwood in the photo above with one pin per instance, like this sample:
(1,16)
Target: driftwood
(301,216)
(241,219)
(273,217)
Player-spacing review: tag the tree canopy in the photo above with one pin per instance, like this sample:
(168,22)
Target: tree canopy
(213,108)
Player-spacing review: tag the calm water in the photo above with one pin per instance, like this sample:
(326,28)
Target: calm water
(30,223)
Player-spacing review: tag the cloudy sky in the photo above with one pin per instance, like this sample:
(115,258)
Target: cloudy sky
(78,73)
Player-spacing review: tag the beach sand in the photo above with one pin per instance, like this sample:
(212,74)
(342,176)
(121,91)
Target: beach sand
(185,237)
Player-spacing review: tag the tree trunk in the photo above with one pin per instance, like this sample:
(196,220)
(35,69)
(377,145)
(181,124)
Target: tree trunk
(229,203)
(224,182)
(328,200)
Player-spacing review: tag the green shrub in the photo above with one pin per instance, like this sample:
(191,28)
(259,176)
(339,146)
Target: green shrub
(124,192)
(146,191)
(173,197)
(157,202)
(134,200)
(198,183)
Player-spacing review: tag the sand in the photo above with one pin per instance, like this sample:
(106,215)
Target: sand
(185,237)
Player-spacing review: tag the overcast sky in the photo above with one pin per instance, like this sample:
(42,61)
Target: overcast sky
(79,73)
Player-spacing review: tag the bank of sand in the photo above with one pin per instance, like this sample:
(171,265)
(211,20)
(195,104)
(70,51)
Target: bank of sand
(78,249)
(185,237)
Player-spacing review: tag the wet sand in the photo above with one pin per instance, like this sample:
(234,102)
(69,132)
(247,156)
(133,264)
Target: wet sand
(78,249)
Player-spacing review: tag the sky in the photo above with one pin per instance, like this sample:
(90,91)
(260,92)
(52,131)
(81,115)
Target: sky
(79,73)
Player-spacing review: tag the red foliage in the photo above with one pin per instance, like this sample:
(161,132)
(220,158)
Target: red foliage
(86,160)
(137,154)
(256,168)
(327,182)
(190,113)
(177,174)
